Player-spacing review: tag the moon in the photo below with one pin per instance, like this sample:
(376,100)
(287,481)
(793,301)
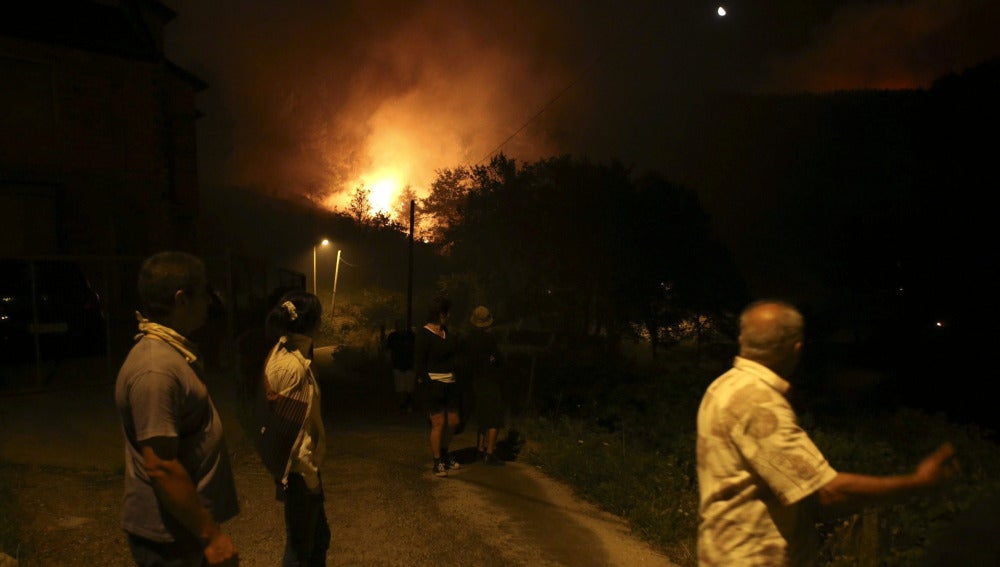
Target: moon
(721,11)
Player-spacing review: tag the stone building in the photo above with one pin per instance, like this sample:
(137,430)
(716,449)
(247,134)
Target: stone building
(97,131)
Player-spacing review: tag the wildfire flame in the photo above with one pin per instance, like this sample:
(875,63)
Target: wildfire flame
(326,106)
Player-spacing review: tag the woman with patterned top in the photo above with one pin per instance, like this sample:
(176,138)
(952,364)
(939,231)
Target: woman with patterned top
(292,437)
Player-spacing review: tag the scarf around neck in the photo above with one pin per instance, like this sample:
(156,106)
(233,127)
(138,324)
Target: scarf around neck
(163,333)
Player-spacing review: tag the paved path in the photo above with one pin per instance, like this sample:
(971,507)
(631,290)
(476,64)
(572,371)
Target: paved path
(384,505)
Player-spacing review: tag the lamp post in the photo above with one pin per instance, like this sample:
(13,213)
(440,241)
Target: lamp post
(323,243)
(336,274)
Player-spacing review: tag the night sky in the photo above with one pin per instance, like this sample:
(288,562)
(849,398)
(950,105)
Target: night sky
(313,98)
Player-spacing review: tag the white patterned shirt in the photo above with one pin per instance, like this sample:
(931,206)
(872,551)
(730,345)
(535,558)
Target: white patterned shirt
(290,374)
(756,467)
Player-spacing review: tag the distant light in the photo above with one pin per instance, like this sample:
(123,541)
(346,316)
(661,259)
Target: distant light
(721,11)
(939,324)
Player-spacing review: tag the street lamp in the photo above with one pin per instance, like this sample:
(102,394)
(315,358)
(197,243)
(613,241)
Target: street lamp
(324,243)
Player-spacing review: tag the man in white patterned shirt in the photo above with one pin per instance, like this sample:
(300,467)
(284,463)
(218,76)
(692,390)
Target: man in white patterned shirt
(761,479)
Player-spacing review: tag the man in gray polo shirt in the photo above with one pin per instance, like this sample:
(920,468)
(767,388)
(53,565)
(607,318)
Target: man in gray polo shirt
(178,480)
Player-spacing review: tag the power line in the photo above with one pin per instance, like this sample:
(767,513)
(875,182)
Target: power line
(558,95)
(542,110)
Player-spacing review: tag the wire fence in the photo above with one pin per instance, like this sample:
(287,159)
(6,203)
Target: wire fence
(67,320)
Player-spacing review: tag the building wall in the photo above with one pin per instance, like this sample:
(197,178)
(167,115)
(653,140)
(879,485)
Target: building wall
(100,146)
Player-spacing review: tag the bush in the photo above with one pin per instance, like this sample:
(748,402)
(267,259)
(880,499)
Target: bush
(893,443)
(633,454)
(360,319)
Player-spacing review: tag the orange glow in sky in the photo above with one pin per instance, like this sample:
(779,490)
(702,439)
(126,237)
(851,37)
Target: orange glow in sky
(384,192)
(394,160)
(329,106)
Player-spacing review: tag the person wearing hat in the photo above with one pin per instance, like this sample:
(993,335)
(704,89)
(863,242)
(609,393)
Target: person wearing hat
(484,363)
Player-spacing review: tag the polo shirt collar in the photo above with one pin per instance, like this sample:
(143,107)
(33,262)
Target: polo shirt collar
(764,373)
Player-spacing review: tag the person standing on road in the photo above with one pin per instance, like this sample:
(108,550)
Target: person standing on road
(179,483)
(762,481)
(483,362)
(434,364)
(400,344)
(292,438)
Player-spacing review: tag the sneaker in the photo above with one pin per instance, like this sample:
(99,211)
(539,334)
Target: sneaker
(450,462)
(491,460)
(440,469)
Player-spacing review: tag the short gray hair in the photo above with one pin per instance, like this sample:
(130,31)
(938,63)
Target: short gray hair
(761,338)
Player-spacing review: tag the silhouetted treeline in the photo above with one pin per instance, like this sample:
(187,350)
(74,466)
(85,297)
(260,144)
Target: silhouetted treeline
(582,249)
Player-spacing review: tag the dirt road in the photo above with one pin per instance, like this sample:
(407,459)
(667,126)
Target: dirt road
(63,450)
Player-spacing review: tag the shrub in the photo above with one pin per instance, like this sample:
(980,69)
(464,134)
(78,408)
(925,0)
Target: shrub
(633,454)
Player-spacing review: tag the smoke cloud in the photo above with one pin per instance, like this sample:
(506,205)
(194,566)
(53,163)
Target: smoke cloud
(308,99)
(889,45)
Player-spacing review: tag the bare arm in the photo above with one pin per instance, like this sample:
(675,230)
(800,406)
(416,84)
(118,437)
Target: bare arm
(849,492)
(176,491)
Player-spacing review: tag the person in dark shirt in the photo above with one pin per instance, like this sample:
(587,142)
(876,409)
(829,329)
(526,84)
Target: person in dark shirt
(483,362)
(435,354)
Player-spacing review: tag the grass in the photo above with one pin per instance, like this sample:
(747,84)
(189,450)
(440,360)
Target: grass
(633,455)
(656,493)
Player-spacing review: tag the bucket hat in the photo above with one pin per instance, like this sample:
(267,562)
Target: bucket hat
(481,317)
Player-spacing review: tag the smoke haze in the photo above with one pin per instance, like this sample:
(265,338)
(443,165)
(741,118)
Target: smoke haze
(308,99)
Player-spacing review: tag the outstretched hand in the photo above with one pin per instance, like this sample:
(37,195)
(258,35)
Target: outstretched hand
(938,467)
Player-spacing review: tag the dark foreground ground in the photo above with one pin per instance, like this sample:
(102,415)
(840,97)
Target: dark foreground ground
(61,453)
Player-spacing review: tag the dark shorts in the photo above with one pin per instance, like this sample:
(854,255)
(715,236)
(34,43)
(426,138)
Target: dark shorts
(438,397)
(489,410)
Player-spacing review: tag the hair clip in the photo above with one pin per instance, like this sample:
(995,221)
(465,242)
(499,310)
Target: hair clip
(290,308)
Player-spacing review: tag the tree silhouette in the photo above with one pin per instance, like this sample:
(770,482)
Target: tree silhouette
(360,206)
(443,206)
(583,249)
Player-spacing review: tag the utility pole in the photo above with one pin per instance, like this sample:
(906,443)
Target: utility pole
(409,274)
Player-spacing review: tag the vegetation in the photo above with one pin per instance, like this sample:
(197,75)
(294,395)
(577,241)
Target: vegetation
(619,426)
(580,260)
(580,249)
(633,454)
